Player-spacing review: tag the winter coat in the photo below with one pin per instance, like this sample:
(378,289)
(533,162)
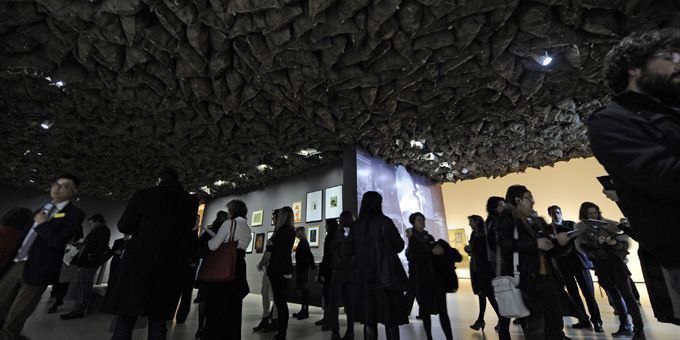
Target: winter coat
(160,220)
(372,303)
(481,270)
(429,287)
(637,140)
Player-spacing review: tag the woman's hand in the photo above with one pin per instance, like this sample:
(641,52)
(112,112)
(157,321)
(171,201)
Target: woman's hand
(438,250)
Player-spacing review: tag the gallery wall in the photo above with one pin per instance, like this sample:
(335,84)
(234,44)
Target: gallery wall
(282,193)
(34,198)
(567,184)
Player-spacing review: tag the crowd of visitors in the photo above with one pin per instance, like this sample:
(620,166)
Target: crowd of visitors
(162,258)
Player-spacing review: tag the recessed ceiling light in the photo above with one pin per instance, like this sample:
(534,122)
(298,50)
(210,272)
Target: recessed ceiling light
(544,59)
(418,144)
(46,124)
(263,167)
(308,152)
(464,171)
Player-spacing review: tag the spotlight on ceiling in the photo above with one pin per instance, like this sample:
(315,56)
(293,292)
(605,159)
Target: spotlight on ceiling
(219,183)
(263,167)
(59,84)
(192,192)
(48,78)
(27,152)
(31,181)
(445,165)
(543,59)
(308,152)
(46,124)
(206,190)
(429,157)
(465,171)
(418,144)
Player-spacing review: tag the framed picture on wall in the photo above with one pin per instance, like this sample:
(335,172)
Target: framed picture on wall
(295,244)
(273,221)
(269,235)
(313,236)
(259,243)
(249,249)
(333,202)
(314,201)
(297,211)
(256,219)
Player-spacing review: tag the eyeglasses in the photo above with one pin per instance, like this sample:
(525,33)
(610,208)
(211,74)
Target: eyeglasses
(672,56)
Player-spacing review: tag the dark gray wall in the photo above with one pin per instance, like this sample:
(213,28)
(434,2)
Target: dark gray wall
(277,195)
(34,199)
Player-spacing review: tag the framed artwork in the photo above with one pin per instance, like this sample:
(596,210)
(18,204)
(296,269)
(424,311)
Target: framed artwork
(295,244)
(313,236)
(249,249)
(458,240)
(273,221)
(297,211)
(333,203)
(256,219)
(314,200)
(269,236)
(259,243)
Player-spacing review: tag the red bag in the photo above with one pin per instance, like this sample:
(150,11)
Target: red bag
(220,265)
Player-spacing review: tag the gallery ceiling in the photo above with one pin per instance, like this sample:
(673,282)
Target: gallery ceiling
(239,93)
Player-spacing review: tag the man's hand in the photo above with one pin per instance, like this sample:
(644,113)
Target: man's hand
(611,194)
(545,244)
(40,217)
(562,238)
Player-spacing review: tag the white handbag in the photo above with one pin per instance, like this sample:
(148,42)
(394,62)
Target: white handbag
(509,297)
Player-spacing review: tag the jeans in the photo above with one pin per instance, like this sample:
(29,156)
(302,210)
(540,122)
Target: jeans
(340,292)
(280,286)
(84,292)
(125,324)
(617,284)
(585,283)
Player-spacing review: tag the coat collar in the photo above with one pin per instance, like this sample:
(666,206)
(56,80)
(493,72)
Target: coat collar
(640,101)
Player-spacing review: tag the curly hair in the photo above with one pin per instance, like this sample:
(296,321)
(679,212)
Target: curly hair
(633,52)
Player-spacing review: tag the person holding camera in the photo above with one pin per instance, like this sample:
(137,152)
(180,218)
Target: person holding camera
(607,248)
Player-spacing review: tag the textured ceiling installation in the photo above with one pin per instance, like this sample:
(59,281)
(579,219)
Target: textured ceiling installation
(237,93)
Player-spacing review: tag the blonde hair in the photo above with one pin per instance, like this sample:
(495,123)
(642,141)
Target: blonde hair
(284,217)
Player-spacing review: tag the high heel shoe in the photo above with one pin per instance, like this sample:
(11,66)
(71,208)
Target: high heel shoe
(479,324)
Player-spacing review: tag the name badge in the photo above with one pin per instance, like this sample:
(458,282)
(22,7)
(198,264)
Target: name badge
(58,215)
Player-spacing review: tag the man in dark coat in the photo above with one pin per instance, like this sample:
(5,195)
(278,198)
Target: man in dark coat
(37,262)
(160,220)
(90,258)
(637,140)
(575,269)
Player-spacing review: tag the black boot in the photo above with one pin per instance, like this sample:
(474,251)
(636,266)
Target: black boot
(263,324)
(271,327)
(304,313)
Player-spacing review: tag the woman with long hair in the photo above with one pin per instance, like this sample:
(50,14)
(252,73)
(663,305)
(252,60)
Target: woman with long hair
(430,290)
(481,270)
(224,300)
(373,303)
(280,265)
(607,247)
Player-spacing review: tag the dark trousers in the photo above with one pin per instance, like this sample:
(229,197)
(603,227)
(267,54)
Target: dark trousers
(340,292)
(18,300)
(280,287)
(224,308)
(59,290)
(545,321)
(125,324)
(371,332)
(583,280)
(84,291)
(617,284)
(443,320)
(326,298)
(186,298)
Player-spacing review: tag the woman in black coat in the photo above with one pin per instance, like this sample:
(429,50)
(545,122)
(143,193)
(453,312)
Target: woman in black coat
(481,270)
(280,265)
(429,288)
(373,304)
(304,264)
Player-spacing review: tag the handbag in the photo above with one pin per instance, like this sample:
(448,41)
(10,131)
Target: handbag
(220,265)
(509,297)
(391,274)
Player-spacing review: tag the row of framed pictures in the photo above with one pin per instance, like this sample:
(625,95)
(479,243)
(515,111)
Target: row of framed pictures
(258,241)
(332,207)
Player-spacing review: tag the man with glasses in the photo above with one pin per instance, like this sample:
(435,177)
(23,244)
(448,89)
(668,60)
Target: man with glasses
(637,139)
(37,262)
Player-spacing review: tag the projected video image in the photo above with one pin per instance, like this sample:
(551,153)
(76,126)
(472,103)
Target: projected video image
(403,194)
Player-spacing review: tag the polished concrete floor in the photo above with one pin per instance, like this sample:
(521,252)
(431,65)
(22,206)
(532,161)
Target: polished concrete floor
(463,310)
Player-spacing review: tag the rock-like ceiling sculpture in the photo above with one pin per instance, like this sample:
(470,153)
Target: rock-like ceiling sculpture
(236,92)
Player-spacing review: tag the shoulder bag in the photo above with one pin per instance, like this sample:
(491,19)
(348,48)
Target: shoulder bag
(508,295)
(220,265)
(391,274)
